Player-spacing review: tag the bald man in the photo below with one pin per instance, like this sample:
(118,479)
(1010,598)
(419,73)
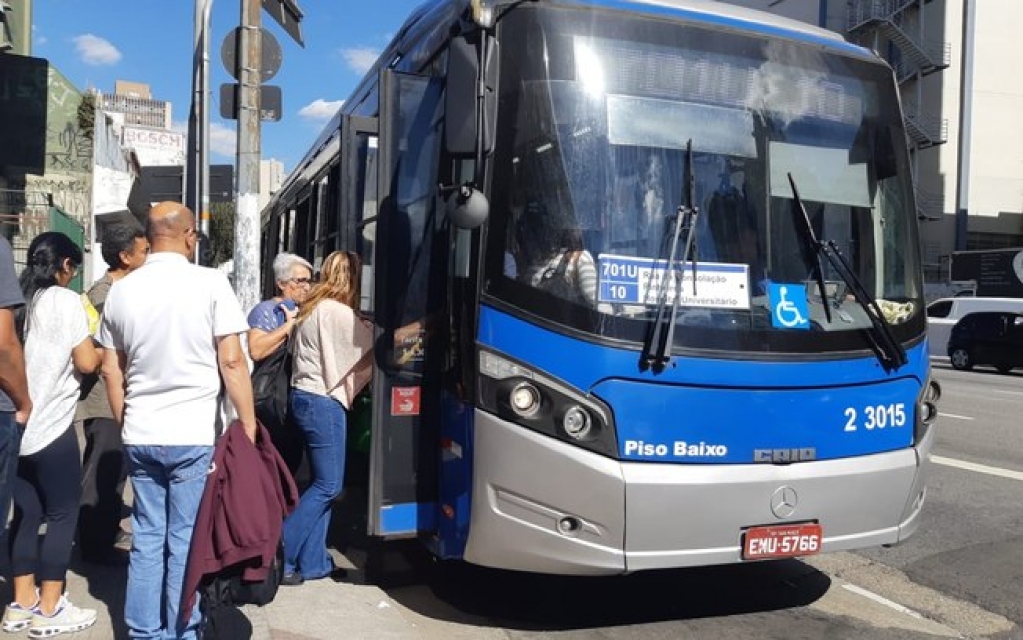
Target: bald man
(171,332)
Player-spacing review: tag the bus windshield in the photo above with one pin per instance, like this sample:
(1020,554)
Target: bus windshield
(611,127)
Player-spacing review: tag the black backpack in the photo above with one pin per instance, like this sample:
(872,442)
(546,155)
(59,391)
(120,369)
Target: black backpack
(271,379)
(220,595)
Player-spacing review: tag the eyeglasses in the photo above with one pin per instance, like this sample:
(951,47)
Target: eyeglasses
(301,281)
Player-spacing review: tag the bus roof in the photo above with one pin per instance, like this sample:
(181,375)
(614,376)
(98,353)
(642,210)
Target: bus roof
(726,15)
(423,19)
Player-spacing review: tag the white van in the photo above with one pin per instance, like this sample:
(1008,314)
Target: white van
(942,314)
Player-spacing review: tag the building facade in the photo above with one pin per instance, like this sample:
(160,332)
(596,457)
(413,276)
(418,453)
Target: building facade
(962,99)
(135,102)
(271,176)
(16,27)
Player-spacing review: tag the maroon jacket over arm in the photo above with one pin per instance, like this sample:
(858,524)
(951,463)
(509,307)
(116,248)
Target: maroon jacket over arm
(248,494)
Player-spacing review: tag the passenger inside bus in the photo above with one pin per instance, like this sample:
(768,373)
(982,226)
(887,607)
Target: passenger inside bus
(551,255)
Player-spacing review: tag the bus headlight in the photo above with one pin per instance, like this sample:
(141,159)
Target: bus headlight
(531,399)
(928,412)
(926,409)
(576,422)
(524,399)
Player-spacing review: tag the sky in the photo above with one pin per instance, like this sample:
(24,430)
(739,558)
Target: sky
(150,41)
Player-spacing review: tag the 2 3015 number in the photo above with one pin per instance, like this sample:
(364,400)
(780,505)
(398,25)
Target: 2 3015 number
(876,417)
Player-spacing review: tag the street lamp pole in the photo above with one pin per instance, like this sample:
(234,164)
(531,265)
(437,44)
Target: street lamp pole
(966,57)
(204,153)
(246,227)
(197,184)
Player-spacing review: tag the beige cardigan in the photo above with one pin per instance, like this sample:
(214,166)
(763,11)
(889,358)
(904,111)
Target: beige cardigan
(332,351)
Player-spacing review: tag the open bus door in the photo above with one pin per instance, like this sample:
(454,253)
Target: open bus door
(408,283)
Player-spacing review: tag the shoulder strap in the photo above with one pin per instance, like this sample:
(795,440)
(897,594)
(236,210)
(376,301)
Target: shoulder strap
(563,263)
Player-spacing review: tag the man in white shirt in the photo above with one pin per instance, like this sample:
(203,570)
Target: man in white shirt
(171,333)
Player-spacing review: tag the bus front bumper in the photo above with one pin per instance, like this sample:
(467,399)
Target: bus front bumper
(545,506)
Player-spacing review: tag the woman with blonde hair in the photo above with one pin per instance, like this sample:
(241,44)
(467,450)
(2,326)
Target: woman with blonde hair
(332,347)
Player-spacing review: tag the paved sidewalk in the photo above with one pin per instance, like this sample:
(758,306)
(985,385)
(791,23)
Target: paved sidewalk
(318,610)
(312,611)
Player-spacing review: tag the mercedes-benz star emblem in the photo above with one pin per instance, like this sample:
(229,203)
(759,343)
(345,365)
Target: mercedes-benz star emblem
(784,501)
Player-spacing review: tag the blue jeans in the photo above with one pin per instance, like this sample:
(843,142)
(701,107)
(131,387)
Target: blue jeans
(322,419)
(10,444)
(168,484)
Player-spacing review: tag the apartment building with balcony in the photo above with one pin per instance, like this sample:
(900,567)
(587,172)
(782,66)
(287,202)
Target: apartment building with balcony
(136,104)
(962,97)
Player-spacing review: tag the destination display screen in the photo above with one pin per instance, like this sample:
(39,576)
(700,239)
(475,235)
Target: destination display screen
(643,281)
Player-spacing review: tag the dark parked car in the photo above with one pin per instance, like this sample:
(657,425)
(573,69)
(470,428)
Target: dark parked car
(988,337)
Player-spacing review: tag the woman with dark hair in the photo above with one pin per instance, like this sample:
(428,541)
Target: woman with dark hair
(58,350)
(332,348)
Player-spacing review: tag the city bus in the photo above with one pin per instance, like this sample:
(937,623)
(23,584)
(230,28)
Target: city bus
(741,371)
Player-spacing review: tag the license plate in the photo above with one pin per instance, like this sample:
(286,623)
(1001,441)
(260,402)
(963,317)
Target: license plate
(782,541)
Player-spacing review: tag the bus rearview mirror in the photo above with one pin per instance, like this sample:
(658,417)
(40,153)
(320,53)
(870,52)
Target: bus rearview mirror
(461,137)
(467,208)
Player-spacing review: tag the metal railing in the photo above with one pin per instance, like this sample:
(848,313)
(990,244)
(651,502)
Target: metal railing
(865,12)
(890,18)
(930,206)
(925,129)
(26,214)
(18,200)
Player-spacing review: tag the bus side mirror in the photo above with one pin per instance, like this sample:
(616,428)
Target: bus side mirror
(461,102)
(467,208)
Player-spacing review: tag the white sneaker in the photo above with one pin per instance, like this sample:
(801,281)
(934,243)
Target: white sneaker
(17,617)
(66,619)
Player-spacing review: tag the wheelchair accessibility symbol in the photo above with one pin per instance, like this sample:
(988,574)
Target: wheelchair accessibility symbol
(788,306)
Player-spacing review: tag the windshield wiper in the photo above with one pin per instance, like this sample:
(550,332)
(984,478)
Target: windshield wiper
(811,247)
(657,351)
(890,351)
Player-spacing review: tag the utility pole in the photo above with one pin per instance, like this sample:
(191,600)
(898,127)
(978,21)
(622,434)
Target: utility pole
(204,152)
(197,180)
(246,228)
(965,134)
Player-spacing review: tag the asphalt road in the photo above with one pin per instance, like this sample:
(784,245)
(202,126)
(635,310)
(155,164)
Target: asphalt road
(961,576)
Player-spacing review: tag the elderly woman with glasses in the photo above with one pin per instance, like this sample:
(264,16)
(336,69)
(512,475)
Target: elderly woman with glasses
(58,350)
(271,321)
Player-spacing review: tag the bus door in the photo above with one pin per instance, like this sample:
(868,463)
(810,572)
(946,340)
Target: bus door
(410,274)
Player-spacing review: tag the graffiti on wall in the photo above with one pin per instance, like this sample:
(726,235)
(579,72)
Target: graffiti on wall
(68,174)
(70,192)
(68,149)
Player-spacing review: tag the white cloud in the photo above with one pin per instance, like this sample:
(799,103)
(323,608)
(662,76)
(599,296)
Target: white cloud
(320,110)
(95,50)
(181,126)
(360,59)
(223,139)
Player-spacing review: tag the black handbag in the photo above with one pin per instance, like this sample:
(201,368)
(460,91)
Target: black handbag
(221,594)
(271,379)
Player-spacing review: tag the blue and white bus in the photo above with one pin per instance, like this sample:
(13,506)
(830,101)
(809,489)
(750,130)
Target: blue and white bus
(743,373)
